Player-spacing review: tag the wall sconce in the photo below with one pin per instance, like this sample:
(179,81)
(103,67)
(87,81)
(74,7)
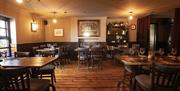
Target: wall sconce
(34,26)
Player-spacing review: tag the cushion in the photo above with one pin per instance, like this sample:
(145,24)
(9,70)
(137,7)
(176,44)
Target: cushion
(39,84)
(47,69)
(144,81)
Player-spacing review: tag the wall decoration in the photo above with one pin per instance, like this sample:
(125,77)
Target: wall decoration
(133,26)
(58,32)
(88,28)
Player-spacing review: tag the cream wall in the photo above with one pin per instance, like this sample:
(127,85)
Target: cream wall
(133,33)
(70,27)
(62,23)
(23,23)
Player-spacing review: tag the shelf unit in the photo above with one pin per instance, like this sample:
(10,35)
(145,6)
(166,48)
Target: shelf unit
(117,34)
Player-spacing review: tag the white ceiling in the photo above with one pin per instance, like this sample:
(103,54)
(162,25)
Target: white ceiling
(109,8)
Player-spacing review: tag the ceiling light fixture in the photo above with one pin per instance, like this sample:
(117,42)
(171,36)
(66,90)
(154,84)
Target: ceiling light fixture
(131,15)
(54,20)
(19,1)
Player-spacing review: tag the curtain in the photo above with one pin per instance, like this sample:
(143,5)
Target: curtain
(143,28)
(176,30)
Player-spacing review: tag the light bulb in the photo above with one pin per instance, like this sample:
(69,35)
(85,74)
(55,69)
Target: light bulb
(130,17)
(86,34)
(54,21)
(34,26)
(19,1)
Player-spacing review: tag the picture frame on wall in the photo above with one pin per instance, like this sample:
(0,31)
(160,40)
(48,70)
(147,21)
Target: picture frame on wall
(58,32)
(88,28)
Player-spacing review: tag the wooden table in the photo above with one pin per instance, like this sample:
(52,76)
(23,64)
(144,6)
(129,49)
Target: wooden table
(133,60)
(168,61)
(144,60)
(45,51)
(31,62)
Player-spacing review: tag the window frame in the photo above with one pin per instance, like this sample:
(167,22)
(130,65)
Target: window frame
(8,34)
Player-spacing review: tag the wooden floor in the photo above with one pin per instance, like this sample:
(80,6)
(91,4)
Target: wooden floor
(72,79)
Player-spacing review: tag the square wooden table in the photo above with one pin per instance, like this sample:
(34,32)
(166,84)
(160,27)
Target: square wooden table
(30,62)
(133,60)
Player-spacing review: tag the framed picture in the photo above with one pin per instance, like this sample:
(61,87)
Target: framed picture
(58,32)
(133,27)
(88,28)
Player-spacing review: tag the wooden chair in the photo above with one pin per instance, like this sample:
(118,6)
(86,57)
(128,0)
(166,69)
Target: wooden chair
(62,57)
(47,71)
(48,54)
(83,57)
(163,78)
(34,52)
(130,71)
(110,51)
(3,54)
(18,79)
(96,57)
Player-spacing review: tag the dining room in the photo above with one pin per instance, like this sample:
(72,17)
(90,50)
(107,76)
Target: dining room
(89,45)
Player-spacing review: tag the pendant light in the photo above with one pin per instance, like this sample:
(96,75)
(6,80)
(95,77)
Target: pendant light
(130,15)
(27,1)
(54,20)
(19,1)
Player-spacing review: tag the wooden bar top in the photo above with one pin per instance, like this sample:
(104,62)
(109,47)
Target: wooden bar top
(32,62)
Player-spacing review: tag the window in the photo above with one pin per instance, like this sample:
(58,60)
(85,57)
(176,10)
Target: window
(5,39)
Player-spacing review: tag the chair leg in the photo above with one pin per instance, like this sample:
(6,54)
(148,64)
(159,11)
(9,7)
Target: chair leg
(52,79)
(133,84)
(100,65)
(54,76)
(78,64)
(122,82)
(119,85)
(53,87)
(48,89)
(41,76)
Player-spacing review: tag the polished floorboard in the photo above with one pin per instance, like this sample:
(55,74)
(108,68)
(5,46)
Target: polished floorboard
(70,78)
